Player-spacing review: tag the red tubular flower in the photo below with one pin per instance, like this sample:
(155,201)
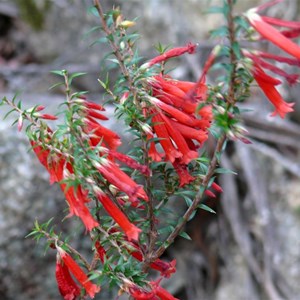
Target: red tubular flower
(166,269)
(187,154)
(131,231)
(76,198)
(166,143)
(189,48)
(121,180)
(66,285)
(268,87)
(290,78)
(130,162)
(47,117)
(153,153)
(210,194)
(184,176)
(94,114)
(99,133)
(100,251)
(272,34)
(283,23)
(291,33)
(279,58)
(169,91)
(76,201)
(191,133)
(176,113)
(90,288)
(216,187)
(162,293)
(139,294)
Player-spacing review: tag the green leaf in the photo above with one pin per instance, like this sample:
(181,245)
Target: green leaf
(58,72)
(92,10)
(185,236)
(215,10)
(224,171)
(192,215)
(55,85)
(207,208)
(219,32)
(7,114)
(71,77)
(236,49)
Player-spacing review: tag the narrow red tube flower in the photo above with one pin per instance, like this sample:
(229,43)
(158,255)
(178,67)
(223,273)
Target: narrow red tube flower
(139,294)
(163,294)
(281,107)
(130,162)
(153,153)
(90,288)
(290,78)
(99,133)
(66,285)
(210,194)
(175,113)
(76,202)
(100,251)
(171,152)
(279,22)
(94,114)
(272,34)
(184,176)
(131,231)
(291,33)
(169,92)
(182,146)
(189,48)
(48,117)
(113,174)
(279,58)
(216,187)
(190,133)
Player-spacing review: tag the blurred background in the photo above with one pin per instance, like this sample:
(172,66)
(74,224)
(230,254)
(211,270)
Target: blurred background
(249,250)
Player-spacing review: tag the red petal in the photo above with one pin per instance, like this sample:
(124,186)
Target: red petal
(273,35)
(187,154)
(279,22)
(112,209)
(78,273)
(281,107)
(66,285)
(190,48)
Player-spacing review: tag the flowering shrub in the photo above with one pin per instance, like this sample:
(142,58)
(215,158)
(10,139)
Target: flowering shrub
(121,199)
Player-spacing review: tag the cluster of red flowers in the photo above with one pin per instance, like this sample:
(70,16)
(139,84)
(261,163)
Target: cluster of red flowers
(59,166)
(60,169)
(179,114)
(265,26)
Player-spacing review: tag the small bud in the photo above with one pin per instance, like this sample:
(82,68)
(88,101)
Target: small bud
(46,116)
(20,123)
(127,24)
(220,109)
(113,189)
(119,20)
(145,127)
(124,97)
